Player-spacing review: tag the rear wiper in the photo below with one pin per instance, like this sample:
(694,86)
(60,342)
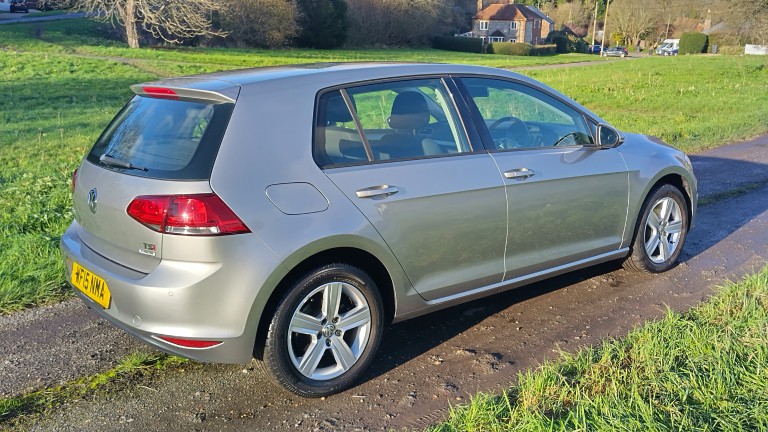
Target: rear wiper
(109,160)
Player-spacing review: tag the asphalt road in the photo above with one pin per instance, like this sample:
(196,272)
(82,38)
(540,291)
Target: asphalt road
(426,364)
(19,18)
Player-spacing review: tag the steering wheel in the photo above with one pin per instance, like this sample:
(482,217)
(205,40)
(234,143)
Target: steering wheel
(515,136)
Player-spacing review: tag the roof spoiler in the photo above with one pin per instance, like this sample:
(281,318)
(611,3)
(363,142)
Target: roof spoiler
(160,91)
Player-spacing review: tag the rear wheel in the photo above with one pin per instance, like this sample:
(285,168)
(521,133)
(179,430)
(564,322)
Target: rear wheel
(325,331)
(660,232)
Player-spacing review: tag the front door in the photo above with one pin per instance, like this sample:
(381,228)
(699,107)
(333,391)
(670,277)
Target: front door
(567,197)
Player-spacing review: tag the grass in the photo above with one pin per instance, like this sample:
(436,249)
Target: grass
(131,370)
(691,102)
(63,81)
(704,370)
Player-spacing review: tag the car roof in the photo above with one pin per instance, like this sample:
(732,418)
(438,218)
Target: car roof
(318,76)
(326,73)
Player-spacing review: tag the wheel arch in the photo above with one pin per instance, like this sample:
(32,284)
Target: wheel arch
(671,178)
(356,257)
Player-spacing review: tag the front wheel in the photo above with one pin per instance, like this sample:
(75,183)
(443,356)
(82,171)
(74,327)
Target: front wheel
(660,232)
(325,331)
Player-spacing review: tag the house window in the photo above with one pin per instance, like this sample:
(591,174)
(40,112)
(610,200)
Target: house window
(536,24)
(513,40)
(483,25)
(513,25)
(497,39)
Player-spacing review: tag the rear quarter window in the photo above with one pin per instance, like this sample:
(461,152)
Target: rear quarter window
(166,139)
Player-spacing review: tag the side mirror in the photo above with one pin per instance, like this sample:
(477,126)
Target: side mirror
(608,137)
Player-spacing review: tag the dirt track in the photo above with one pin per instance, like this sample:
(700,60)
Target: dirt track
(425,364)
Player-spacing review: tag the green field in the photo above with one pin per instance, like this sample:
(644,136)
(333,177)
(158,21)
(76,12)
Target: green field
(704,370)
(62,82)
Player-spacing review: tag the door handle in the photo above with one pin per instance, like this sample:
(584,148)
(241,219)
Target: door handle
(381,191)
(519,173)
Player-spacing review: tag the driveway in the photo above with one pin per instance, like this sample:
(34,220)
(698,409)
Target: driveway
(425,365)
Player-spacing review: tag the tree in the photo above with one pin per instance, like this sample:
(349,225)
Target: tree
(169,20)
(398,22)
(261,23)
(747,18)
(633,20)
(323,23)
(575,15)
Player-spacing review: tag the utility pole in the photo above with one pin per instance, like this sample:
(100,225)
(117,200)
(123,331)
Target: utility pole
(594,28)
(605,26)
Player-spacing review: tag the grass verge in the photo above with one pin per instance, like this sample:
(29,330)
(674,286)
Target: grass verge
(130,371)
(704,370)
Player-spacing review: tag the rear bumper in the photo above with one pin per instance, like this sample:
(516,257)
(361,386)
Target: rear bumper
(193,300)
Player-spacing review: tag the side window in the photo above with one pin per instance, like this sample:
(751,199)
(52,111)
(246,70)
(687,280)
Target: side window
(399,120)
(337,140)
(518,116)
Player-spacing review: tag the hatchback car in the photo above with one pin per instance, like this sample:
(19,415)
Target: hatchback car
(290,213)
(18,6)
(617,51)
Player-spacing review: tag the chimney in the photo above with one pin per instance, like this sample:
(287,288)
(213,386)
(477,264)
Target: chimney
(480,6)
(708,21)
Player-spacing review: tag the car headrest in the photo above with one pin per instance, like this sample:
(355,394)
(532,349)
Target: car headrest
(336,111)
(409,111)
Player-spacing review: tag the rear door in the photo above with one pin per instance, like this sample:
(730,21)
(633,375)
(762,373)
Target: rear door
(399,151)
(567,197)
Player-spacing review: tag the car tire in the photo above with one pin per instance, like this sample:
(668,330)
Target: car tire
(660,231)
(338,311)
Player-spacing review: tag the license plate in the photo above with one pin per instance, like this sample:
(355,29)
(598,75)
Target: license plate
(91,285)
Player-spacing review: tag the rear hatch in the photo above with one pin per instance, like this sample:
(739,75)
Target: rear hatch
(154,158)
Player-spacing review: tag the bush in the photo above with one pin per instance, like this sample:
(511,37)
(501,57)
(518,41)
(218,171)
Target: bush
(730,50)
(260,23)
(541,50)
(561,42)
(693,43)
(510,48)
(463,44)
(324,23)
(386,23)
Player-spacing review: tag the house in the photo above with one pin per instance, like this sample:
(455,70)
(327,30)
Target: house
(507,21)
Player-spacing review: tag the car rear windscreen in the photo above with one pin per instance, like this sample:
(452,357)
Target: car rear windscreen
(162,138)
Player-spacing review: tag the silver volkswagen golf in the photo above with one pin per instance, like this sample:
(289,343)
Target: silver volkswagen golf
(290,213)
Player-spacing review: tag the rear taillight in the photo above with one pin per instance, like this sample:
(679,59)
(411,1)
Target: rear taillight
(201,214)
(74,180)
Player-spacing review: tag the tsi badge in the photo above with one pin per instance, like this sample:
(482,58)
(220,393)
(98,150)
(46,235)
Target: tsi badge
(148,249)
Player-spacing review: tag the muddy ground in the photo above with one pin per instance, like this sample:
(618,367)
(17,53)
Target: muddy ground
(425,365)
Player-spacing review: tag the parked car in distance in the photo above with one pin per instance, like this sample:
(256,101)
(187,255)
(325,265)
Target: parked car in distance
(289,213)
(18,6)
(616,51)
(594,49)
(669,47)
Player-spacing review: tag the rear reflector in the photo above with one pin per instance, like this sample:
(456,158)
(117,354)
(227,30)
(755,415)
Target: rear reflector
(74,180)
(200,214)
(189,343)
(161,92)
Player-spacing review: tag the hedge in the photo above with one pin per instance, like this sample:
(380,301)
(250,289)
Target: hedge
(693,43)
(454,43)
(545,49)
(520,49)
(510,48)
